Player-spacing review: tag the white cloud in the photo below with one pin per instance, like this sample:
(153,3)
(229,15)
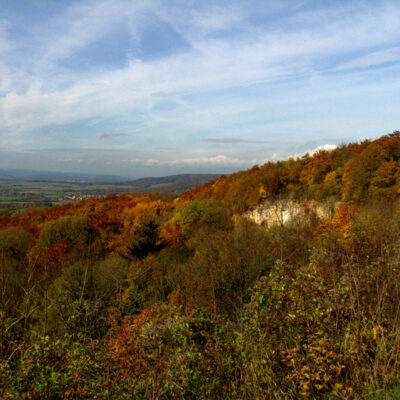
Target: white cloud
(215,160)
(218,160)
(326,147)
(311,152)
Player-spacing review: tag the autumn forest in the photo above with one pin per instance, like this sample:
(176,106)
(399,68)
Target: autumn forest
(166,296)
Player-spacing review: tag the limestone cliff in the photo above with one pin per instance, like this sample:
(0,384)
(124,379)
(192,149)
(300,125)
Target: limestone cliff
(283,210)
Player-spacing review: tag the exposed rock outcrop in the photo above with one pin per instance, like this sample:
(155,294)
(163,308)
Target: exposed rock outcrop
(281,211)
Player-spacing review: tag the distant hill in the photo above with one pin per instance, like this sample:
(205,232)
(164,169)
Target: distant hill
(29,175)
(172,183)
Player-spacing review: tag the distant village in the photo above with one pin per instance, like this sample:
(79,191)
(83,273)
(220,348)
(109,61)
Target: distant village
(80,196)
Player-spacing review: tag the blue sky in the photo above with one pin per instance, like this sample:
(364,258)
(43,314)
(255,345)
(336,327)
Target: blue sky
(142,88)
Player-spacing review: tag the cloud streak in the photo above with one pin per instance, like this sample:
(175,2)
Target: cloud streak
(110,135)
(373,59)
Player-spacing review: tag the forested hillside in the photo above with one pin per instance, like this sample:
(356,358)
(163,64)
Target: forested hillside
(159,296)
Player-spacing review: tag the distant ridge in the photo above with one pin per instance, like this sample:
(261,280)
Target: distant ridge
(31,175)
(110,183)
(179,183)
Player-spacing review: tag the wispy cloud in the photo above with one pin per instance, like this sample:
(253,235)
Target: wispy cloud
(373,59)
(216,160)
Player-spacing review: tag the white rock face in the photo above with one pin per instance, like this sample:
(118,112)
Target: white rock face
(281,211)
